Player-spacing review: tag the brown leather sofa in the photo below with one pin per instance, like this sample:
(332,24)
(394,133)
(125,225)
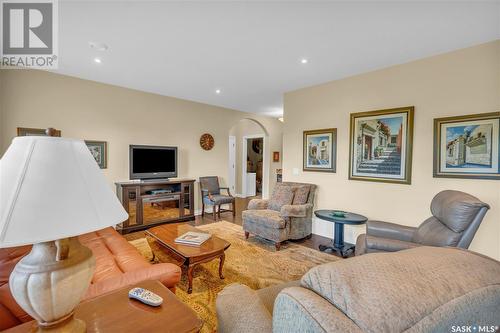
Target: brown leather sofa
(118,264)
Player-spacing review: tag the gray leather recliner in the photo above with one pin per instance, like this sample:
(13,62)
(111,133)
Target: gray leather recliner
(456,216)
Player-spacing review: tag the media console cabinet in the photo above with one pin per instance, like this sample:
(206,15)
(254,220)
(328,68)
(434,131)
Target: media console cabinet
(151,203)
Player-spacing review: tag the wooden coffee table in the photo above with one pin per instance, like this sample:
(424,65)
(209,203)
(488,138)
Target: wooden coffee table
(191,255)
(115,312)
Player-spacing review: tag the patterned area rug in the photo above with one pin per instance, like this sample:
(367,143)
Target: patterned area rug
(253,262)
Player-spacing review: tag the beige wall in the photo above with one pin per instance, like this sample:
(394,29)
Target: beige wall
(94,111)
(458,83)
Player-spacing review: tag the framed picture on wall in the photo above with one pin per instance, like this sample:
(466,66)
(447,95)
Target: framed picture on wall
(99,150)
(381,145)
(276,156)
(320,150)
(467,146)
(25,131)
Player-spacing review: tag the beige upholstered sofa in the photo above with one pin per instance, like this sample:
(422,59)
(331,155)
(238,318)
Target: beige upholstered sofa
(424,289)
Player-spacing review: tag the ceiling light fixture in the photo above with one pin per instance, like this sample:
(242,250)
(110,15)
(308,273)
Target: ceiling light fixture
(304,61)
(98,46)
(97,60)
(217,91)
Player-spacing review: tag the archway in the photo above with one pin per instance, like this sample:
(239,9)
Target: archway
(244,131)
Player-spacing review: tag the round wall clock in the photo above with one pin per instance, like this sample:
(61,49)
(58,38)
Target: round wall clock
(207,141)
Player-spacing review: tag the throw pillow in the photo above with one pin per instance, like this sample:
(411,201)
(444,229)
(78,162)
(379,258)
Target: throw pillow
(282,195)
(301,195)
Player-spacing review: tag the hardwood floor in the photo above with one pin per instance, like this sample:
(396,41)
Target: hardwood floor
(241,205)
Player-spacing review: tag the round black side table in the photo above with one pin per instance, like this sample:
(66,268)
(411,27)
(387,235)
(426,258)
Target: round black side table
(339,246)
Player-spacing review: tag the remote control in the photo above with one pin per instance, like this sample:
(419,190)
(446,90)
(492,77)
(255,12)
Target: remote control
(145,296)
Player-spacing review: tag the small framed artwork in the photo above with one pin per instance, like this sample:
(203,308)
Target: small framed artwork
(276,156)
(320,150)
(99,149)
(467,146)
(25,131)
(381,145)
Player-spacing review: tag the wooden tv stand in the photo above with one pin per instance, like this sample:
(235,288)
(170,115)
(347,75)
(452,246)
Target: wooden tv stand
(150,203)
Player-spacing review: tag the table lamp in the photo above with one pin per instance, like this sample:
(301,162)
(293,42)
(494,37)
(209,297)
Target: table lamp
(51,190)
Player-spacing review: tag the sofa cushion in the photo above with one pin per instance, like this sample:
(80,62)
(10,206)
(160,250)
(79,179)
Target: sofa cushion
(240,310)
(264,217)
(218,199)
(434,233)
(168,274)
(295,210)
(106,266)
(9,257)
(268,295)
(125,255)
(258,204)
(381,292)
(282,195)
(11,313)
(456,209)
(387,244)
(131,261)
(301,194)
(7,319)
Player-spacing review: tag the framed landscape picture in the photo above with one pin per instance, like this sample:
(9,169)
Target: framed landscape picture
(99,149)
(381,145)
(25,131)
(320,150)
(467,146)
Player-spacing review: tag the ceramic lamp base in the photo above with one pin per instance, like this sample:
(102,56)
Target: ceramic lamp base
(50,281)
(72,325)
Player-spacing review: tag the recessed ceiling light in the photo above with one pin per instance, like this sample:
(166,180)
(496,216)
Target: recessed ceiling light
(98,46)
(97,60)
(218,91)
(304,61)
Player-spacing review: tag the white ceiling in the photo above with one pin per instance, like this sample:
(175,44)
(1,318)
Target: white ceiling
(252,50)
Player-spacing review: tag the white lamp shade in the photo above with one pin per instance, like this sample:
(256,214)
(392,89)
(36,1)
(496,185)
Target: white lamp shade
(52,188)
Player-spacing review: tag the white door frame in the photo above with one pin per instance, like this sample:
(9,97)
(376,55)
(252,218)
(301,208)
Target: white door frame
(265,164)
(232,165)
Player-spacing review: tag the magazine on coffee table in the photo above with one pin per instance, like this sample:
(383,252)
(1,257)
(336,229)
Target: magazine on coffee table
(193,238)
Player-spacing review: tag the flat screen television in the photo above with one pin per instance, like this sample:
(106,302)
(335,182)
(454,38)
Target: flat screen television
(150,162)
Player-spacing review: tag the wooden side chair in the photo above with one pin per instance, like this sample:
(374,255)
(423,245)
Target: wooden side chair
(211,196)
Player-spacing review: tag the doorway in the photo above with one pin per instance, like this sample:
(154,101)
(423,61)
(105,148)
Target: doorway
(232,164)
(253,162)
(244,131)
(368,148)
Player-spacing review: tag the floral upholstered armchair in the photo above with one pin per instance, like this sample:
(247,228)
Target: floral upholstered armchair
(287,215)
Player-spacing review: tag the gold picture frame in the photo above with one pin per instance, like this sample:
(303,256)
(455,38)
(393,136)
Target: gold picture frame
(467,146)
(320,150)
(27,131)
(380,145)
